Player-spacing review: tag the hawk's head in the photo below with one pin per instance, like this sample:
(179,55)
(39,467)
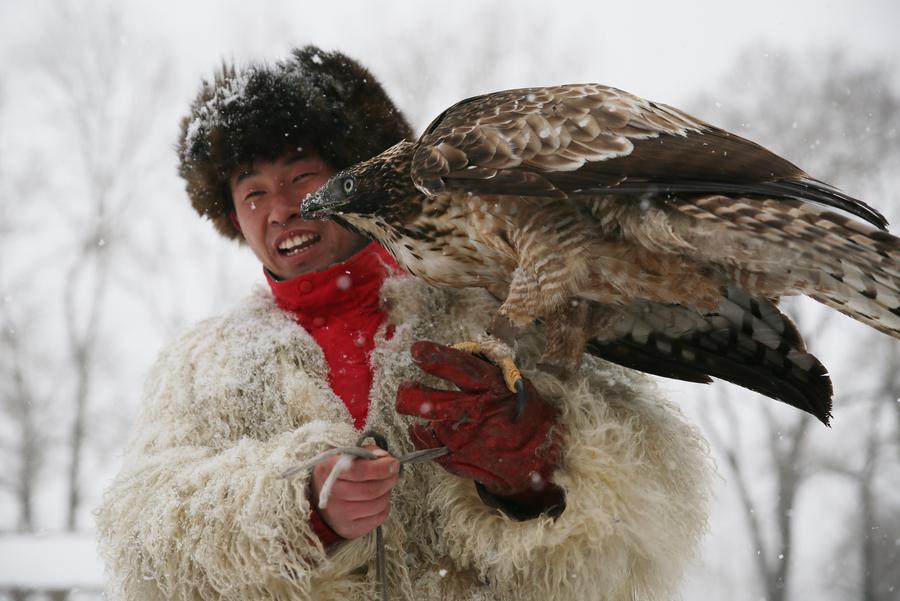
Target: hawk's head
(378,190)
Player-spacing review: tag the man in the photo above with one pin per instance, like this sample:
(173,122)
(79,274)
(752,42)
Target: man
(597,492)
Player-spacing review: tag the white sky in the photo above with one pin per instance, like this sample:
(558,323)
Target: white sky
(658,48)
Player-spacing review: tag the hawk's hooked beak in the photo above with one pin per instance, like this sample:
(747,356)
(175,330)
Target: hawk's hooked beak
(323,203)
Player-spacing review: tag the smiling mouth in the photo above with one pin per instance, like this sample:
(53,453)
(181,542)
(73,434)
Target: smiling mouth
(295,244)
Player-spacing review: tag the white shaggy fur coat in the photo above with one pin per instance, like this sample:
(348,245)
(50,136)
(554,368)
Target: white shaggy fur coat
(199,510)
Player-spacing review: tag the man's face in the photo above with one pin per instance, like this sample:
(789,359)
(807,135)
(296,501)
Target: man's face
(267,197)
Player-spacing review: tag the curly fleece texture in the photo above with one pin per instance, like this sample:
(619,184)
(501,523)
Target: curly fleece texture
(199,511)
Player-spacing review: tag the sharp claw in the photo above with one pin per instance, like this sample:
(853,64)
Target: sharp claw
(501,356)
(521,399)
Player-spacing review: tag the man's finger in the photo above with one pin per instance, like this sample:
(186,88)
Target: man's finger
(430,403)
(467,371)
(363,470)
(366,490)
(365,525)
(361,510)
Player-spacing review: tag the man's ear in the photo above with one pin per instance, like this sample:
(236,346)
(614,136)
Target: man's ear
(234,221)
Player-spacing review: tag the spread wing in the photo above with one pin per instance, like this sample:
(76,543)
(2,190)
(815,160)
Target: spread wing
(588,139)
(747,341)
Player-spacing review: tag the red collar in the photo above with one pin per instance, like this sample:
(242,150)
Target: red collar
(349,287)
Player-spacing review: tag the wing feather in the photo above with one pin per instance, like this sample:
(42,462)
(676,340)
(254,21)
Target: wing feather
(588,139)
(747,341)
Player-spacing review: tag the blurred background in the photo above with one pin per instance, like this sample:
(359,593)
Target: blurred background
(102,260)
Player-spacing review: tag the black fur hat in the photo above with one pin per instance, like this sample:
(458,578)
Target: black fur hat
(323,100)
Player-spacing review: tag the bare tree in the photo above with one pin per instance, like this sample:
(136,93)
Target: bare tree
(783,443)
(104,97)
(426,78)
(891,389)
(23,448)
(834,118)
(21,407)
(839,121)
(876,532)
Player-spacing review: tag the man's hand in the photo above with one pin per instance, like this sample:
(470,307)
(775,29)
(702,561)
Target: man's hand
(360,499)
(508,458)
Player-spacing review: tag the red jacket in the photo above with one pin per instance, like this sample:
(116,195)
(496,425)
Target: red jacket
(340,308)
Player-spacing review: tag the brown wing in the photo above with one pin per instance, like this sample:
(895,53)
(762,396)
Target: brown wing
(588,139)
(746,341)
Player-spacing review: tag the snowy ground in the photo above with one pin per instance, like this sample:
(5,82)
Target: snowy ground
(50,563)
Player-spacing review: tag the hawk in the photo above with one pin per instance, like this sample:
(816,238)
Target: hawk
(631,230)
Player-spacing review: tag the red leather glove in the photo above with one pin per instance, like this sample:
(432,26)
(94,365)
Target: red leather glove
(508,458)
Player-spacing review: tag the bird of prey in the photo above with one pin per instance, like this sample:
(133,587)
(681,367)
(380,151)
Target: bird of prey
(631,230)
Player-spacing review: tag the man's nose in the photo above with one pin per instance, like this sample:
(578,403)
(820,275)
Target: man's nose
(284,206)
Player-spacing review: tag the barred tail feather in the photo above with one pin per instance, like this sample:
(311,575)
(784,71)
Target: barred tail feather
(886,321)
(870,296)
(835,259)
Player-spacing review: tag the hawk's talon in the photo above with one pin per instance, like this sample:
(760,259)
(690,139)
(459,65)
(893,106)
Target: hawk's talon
(511,374)
(521,399)
(500,355)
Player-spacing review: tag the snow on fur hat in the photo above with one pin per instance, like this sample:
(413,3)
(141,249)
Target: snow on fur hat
(323,100)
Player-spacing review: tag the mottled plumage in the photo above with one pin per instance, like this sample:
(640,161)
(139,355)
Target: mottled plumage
(631,230)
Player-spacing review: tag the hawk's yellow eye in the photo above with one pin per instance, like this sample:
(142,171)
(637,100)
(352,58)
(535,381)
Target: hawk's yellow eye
(348,185)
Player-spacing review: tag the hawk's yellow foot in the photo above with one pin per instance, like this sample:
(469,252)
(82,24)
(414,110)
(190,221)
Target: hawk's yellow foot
(501,355)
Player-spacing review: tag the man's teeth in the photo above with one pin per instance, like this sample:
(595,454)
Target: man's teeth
(297,243)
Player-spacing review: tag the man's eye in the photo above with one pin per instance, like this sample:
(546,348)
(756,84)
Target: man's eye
(252,195)
(302,177)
